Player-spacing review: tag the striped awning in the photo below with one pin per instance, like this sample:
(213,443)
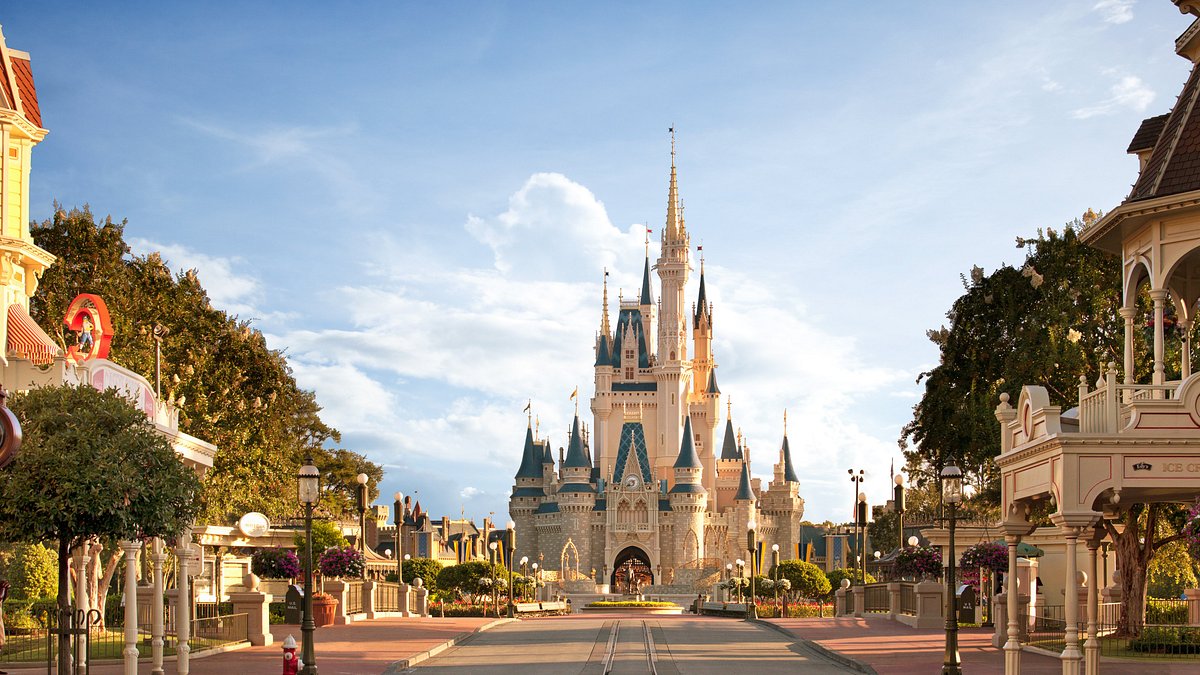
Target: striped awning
(27,339)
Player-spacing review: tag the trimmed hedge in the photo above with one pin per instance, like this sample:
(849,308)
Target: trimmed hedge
(630,603)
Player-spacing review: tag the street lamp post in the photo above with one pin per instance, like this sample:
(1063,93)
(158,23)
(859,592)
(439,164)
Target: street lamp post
(399,518)
(536,578)
(525,574)
(495,595)
(741,564)
(362,479)
(752,544)
(952,495)
(861,543)
(728,577)
(308,489)
(857,479)
(510,542)
(898,505)
(775,566)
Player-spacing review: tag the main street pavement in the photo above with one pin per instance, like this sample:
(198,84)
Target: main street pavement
(624,644)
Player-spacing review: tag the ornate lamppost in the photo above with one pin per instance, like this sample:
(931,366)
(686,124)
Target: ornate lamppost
(741,564)
(952,496)
(857,479)
(898,505)
(536,578)
(510,542)
(752,608)
(399,518)
(308,489)
(495,596)
(775,566)
(362,479)
(525,574)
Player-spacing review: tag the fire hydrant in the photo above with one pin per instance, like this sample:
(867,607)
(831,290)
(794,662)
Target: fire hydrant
(291,664)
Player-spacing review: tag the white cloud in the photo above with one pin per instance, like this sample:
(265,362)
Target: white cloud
(487,339)
(231,290)
(1128,92)
(1115,11)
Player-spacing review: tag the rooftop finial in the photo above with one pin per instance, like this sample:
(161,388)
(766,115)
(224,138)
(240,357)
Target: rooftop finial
(785,421)
(537,425)
(672,229)
(672,130)
(528,412)
(604,317)
(728,407)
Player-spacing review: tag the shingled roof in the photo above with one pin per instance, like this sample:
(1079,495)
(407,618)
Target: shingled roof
(1174,164)
(1148,133)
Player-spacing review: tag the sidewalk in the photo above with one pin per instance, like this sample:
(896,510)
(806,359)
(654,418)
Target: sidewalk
(353,649)
(892,647)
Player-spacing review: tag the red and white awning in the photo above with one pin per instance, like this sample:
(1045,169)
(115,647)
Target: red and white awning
(27,339)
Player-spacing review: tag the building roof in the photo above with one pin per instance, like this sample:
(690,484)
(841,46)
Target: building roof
(576,487)
(530,458)
(664,505)
(687,459)
(548,458)
(600,505)
(789,473)
(633,439)
(528,492)
(729,449)
(712,382)
(745,492)
(1148,133)
(547,507)
(1174,164)
(576,457)
(603,351)
(628,317)
(24,99)
(687,488)
(702,307)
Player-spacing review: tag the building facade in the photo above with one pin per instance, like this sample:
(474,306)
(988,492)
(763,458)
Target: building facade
(655,496)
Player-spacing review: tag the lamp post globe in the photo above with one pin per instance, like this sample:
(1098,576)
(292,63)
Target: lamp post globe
(308,491)
(913,541)
(952,496)
(775,567)
(525,573)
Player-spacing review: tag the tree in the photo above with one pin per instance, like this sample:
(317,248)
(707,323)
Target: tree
(807,580)
(32,571)
(325,535)
(231,389)
(91,465)
(1170,571)
(339,479)
(427,569)
(883,530)
(463,579)
(855,576)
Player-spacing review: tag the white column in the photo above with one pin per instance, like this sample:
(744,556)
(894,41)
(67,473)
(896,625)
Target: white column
(1012,648)
(1159,296)
(183,619)
(130,652)
(1091,648)
(1071,657)
(1128,313)
(157,558)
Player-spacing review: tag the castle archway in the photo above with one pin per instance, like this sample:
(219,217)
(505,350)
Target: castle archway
(631,571)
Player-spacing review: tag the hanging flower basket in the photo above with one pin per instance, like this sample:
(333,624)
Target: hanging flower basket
(341,563)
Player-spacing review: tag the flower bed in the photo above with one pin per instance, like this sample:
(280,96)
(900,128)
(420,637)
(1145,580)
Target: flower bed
(630,603)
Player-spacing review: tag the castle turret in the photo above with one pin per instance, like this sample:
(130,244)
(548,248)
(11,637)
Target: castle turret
(781,501)
(672,371)
(728,465)
(576,496)
(527,494)
(689,500)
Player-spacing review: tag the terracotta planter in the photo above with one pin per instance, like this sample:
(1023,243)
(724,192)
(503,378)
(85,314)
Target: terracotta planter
(324,610)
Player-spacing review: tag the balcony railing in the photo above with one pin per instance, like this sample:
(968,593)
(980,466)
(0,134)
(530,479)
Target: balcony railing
(1105,410)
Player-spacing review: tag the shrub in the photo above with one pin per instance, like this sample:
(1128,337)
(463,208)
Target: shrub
(275,563)
(919,562)
(805,579)
(33,571)
(630,603)
(325,534)
(341,563)
(425,568)
(855,576)
(1171,613)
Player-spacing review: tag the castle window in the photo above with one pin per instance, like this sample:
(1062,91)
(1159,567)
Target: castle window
(672,355)
(629,373)
(629,353)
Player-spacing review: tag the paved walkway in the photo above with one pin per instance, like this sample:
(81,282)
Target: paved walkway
(890,647)
(366,647)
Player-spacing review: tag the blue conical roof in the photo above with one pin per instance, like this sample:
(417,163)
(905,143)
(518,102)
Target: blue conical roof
(688,459)
(701,301)
(789,473)
(576,457)
(729,450)
(745,492)
(529,459)
(603,352)
(712,382)
(547,458)
(646,299)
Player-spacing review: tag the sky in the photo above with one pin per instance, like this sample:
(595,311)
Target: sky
(415,201)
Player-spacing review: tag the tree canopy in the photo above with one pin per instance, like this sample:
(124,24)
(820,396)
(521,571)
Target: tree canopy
(808,581)
(232,390)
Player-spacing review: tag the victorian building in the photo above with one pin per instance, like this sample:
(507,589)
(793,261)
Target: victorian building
(651,489)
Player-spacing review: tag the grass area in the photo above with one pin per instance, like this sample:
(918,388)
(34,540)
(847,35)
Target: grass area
(107,644)
(630,603)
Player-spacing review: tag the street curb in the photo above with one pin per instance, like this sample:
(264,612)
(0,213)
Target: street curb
(849,662)
(397,667)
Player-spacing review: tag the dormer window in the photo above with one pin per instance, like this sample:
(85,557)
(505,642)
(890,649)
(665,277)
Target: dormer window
(629,373)
(629,353)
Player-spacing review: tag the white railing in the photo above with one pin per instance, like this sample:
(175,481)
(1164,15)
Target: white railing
(1106,409)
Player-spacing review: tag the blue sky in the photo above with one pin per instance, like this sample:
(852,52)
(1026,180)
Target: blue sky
(416,200)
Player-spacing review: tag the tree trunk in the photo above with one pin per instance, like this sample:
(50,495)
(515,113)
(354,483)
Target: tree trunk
(1132,563)
(64,607)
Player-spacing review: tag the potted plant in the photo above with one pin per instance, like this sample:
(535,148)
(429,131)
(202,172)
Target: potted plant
(324,607)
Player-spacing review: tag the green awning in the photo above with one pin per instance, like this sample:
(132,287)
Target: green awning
(1025,550)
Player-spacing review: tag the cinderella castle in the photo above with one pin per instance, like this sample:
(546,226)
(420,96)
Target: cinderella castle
(655,502)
